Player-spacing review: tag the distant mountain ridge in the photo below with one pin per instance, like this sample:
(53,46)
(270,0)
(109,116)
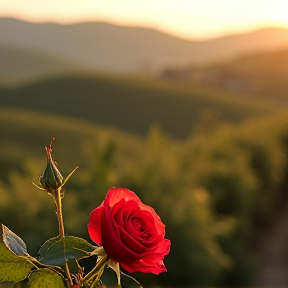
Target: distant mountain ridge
(18,64)
(109,48)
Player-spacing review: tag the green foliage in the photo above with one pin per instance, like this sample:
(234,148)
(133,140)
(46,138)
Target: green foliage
(45,278)
(58,251)
(13,242)
(17,265)
(214,191)
(13,268)
(15,262)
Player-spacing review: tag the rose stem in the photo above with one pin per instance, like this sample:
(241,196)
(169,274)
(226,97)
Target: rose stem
(93,271)
(58,202)
(94,283)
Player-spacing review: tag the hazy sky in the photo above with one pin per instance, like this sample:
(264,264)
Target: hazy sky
(194,19)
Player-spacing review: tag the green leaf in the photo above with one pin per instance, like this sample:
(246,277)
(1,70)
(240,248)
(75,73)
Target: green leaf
(58,250)
(22,284)
(13,268)
(73,266)
(109,277)
(129,282)
(13,242)
(45,278)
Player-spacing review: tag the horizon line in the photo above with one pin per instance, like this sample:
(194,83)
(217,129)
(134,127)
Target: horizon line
(164,31)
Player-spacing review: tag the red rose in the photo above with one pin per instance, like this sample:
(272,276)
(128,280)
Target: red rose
(130,232)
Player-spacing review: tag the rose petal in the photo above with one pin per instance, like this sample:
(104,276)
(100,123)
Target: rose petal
(123,210)
(151,262)
(160,251)
(141,266)
(94,226)
(115,195)
(130,242)
(157,221)
(145,237)
(146,219)
(111,240)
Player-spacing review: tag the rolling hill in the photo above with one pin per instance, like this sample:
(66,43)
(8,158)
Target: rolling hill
(22,65)
(263,74)
(110,48)
(25,133)
(134,104)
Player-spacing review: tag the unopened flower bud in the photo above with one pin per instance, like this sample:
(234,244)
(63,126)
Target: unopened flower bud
(51,178)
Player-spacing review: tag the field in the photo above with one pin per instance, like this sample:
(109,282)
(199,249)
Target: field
(135,104)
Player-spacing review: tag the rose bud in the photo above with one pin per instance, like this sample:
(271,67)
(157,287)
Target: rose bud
(131,232)
(51,178)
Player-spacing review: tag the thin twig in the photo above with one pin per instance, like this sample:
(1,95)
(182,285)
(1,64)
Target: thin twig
(94,270)
(58,202)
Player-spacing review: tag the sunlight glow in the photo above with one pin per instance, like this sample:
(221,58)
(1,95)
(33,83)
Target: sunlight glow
(184,18)
(278,12)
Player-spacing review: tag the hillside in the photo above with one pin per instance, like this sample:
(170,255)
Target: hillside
(25,133)
(111,48)
(132,104)
(263,74)
(215,192)
(22,64)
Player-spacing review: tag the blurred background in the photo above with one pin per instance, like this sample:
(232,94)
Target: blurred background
(184,102)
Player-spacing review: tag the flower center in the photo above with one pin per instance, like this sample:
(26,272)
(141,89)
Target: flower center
(137,224)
